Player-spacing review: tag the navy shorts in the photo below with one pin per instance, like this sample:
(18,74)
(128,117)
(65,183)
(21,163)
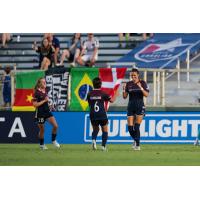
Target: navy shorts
(136,111)
(102,122)
(42,119)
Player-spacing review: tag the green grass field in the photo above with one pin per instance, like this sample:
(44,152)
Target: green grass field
(82,155)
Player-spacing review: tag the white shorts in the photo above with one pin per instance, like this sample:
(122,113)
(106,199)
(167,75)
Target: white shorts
(87,58)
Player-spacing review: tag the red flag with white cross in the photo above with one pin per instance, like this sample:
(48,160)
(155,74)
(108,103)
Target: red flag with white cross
(111,80)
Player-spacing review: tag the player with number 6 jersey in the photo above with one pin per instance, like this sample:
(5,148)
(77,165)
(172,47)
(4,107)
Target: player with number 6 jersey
(98,116)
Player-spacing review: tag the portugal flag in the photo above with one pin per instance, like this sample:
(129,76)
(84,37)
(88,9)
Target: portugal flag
(25,83)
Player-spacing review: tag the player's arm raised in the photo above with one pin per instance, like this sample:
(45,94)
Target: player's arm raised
(114,97)
(125,94)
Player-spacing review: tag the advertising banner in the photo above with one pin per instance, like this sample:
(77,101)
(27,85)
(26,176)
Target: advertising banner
(167,127)
(163,50)
(75,128)
(18,127)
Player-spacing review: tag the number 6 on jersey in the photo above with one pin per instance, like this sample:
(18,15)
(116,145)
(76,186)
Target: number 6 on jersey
(96,107)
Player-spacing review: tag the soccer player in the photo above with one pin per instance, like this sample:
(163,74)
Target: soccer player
(136,89)
(96,99)
(42,113)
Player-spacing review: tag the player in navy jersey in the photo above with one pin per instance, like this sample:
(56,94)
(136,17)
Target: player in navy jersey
(43,113)
(136,89)
(96,99)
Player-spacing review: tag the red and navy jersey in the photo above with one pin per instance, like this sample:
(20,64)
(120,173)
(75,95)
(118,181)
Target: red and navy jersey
(42,110)
(135,93)
(96,99)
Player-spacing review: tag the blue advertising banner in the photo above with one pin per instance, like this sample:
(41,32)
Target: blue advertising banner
(157,127)
(163,50)
(75,127)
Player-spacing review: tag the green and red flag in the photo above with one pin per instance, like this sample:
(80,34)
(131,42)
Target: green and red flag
(25,83)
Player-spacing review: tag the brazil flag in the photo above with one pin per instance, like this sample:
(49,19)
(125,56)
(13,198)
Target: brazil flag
(81,84)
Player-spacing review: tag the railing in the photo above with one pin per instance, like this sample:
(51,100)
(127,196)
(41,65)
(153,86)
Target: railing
(159,78)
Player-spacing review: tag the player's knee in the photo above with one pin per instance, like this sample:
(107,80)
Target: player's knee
(44,60)
(137,127)
(96,129)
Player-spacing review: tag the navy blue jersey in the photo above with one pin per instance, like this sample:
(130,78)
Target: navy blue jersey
(135,93)
(43,110)
(96,99)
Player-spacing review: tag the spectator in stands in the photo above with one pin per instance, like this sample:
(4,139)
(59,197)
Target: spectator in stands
(73,51)
(5,37)
(144,35)
(46,51)
(55,43)
(7,87)
(89,52)
(124,37)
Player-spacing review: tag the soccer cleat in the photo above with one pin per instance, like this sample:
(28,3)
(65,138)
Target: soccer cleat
(137,148)
(43,147)
(56,144)
(196,143)
(134,145)
(94,145)
(103,148)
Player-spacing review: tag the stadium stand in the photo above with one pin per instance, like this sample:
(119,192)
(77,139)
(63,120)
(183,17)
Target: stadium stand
(19,52)
(22,54)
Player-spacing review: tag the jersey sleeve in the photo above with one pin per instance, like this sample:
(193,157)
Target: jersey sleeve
(106,97)
(145,86)
(35,96)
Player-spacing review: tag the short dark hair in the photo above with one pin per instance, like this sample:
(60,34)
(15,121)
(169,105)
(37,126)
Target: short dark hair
(7,69)
(97,82)
(135,70)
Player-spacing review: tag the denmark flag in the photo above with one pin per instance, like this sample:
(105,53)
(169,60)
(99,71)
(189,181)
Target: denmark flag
(111,80)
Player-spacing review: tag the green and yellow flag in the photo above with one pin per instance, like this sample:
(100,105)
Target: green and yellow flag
(25,83)
(81,84)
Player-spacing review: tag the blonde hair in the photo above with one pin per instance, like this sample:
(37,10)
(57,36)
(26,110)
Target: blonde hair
(38,84)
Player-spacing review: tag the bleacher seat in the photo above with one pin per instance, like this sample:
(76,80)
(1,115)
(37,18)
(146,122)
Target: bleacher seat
(21,53)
